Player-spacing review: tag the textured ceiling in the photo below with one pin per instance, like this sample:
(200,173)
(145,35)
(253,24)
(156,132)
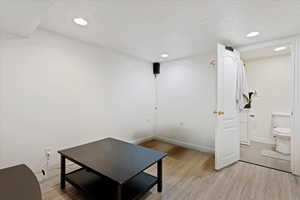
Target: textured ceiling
(148,28)
(266,52)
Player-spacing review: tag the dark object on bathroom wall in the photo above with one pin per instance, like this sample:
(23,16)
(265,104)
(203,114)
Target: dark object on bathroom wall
(229,48)
(248,105)
(156,69)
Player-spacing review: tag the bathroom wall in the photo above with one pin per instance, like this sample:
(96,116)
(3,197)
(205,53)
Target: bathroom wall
(270,77)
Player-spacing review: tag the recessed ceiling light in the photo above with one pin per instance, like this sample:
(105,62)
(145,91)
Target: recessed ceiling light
(80,21)
(164,55)
(280,49)
(252,34)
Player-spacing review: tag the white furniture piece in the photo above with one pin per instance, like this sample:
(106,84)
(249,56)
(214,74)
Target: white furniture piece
(244,127)
(282,132)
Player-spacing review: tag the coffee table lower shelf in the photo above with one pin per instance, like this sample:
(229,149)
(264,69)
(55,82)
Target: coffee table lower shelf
(97,187)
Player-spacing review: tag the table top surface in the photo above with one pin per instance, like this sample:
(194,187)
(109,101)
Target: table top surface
(120,161)
(19,182)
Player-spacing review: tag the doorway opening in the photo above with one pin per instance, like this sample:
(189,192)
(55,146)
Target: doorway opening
(266,122)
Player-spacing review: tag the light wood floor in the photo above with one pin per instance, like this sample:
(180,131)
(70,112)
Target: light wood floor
(253,154)
(189,175)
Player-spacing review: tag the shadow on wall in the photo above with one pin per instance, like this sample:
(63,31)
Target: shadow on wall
(199,140)
(144,134)
(178,133)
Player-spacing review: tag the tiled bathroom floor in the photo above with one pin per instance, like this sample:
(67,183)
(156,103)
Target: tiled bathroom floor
(253,154)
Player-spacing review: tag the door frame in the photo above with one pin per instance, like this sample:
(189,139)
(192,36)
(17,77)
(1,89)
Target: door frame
(293,43)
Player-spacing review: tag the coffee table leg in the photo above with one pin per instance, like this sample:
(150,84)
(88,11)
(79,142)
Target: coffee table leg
(119,192)
(159,176)
(62,172)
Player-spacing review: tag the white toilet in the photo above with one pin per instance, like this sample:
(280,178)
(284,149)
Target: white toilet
(283,140)
(282,132)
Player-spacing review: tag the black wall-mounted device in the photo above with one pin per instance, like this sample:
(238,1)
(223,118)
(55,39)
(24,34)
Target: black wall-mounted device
(156,69)
(229,48)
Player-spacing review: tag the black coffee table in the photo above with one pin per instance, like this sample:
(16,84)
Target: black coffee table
(112,169)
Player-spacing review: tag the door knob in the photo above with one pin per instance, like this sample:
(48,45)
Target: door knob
(219,113)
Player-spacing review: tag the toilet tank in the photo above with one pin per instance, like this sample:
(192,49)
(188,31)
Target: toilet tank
(282,120)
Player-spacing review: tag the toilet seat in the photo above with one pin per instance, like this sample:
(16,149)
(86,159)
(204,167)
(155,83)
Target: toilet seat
(282,132)
(283,138)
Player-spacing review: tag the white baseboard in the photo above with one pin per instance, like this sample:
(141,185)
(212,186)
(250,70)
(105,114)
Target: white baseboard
(186,145)
(141,140)
(262,140)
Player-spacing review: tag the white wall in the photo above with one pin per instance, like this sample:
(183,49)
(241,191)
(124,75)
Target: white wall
(271,78)
(296,110)
(57,92)
(186,101)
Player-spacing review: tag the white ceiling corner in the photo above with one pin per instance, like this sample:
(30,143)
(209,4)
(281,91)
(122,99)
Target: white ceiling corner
(21,18)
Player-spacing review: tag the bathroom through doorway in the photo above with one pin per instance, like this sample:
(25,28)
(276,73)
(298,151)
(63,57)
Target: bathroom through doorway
(266,121)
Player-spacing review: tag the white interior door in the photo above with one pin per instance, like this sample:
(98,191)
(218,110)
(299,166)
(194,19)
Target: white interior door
(227,130)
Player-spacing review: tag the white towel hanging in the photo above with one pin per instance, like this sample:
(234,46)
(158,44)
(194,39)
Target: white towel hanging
(242,90)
